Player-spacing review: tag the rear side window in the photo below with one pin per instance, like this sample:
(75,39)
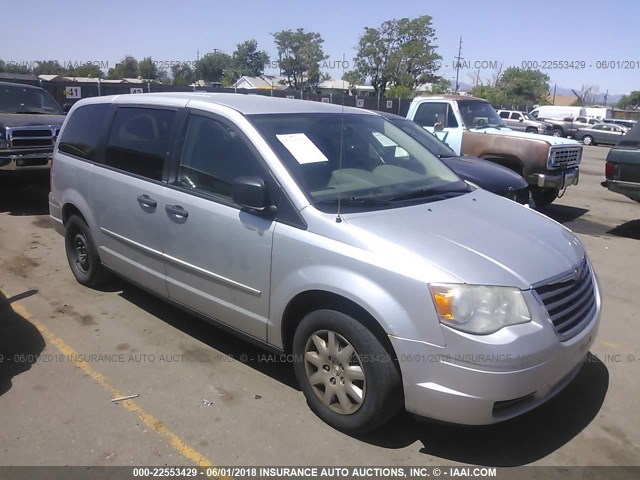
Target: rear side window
(140,140)
(429,114)
(503,114)
(82,133)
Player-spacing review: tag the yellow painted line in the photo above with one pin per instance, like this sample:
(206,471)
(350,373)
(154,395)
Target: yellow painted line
(614,346)
(149,420)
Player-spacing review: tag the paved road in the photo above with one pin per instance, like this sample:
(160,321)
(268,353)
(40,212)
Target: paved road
(56,408)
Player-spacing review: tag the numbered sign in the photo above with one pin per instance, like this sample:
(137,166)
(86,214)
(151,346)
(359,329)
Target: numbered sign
(325,100)
(72,92)
(389,103)
(360,103)
(136,90)
(291,97)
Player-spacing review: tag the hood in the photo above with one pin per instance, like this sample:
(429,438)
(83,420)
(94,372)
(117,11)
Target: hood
(479,238)
(553,141)
(28,120)
(486,174)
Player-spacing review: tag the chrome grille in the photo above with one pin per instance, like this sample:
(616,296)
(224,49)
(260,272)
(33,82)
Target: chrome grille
(562,157)
(570,301)
(31,137)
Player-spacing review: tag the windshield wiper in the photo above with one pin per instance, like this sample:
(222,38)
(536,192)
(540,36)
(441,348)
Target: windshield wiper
(29,111)
(356,201)
(431,193)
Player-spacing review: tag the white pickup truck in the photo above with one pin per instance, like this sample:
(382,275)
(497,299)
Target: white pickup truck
(471,126)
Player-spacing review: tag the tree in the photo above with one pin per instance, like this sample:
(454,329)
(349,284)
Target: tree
(493,95)
(524,87)
(398,53)
(48,67)
(127,68)
(441,85)
(182,74)
(299,55)
(13,67)
(354,78)
(147,69)
(248,60)
(86,70)
(212,66)
(631,100)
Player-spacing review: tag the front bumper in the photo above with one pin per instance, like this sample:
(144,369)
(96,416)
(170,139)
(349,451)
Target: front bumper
(477,380)
(14,160)
(558,180)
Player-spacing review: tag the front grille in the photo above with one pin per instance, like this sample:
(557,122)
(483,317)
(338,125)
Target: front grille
(562,157)
(570,301)
(30,137)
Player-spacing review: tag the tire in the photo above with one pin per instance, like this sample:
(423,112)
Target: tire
(556,132)
(82,254)
(588,140)
(372,392)
(531,130)
(543,196)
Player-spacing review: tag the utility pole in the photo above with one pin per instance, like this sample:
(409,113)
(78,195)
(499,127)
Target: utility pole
(606,96)
(458,58)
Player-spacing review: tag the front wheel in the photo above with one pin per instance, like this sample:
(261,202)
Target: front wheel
(82,254)
(349,379)
(543,196)
(557,132)
(532,130)
(588,140)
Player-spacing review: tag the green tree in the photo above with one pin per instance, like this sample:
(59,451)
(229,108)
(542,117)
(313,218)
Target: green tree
(147,69)
(353,77)
(632,100)
(440,85)
(524,87)
(127,68)
(86,70)
(299,55)
(212,66)
(182,74)
(401,52)
(248,60)
(492,94)
(13,68)
(48,67)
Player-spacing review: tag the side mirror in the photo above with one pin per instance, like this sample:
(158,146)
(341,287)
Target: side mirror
(438,127)
(521,120)
(251,192)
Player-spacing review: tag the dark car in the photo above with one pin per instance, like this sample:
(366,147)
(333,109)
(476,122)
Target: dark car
(30,120)
(483,173)
(601,133)
(623,166)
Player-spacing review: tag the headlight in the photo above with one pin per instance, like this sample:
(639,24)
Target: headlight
(479,309)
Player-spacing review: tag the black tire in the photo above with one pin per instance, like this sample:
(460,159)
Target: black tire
(531,130)
(82,254)
(381,386)
(543,196)
(588,140)
(556,132)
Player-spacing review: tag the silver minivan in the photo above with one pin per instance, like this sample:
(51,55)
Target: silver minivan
(330,234)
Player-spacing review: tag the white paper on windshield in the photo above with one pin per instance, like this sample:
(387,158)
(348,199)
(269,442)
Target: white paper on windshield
(302,148)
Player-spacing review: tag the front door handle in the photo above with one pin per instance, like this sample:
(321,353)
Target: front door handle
(177,210)
(147,201)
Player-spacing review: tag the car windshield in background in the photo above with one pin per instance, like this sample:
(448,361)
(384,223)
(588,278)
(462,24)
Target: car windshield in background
(363,162)
(27,100)
(528,116)
(479,114)
(425,138)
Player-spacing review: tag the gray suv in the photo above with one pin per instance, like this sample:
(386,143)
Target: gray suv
(524,122)
(329,234)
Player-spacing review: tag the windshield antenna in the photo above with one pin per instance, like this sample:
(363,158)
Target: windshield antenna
(338,217)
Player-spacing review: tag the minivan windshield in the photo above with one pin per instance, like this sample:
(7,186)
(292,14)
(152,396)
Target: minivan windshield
(16,99)
(479,114)
(363,162)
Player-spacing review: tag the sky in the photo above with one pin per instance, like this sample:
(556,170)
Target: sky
(590,33)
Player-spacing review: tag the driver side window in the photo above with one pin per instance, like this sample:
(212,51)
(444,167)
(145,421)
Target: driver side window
(213,156)
(432,114)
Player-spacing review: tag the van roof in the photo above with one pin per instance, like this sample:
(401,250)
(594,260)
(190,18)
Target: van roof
(244,103)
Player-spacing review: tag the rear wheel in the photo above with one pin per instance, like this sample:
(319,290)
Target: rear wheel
(543,196)
(588,140)
(532,130)
(349,379)
(556,132)
(82,254)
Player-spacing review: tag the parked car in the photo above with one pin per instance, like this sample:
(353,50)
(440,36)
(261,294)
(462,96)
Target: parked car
(471,126)
(522,121)
(488,175)
(30,120)
(602,133)
(561,127)
(622,169)
(585,122)
(389,279)
(619,121)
